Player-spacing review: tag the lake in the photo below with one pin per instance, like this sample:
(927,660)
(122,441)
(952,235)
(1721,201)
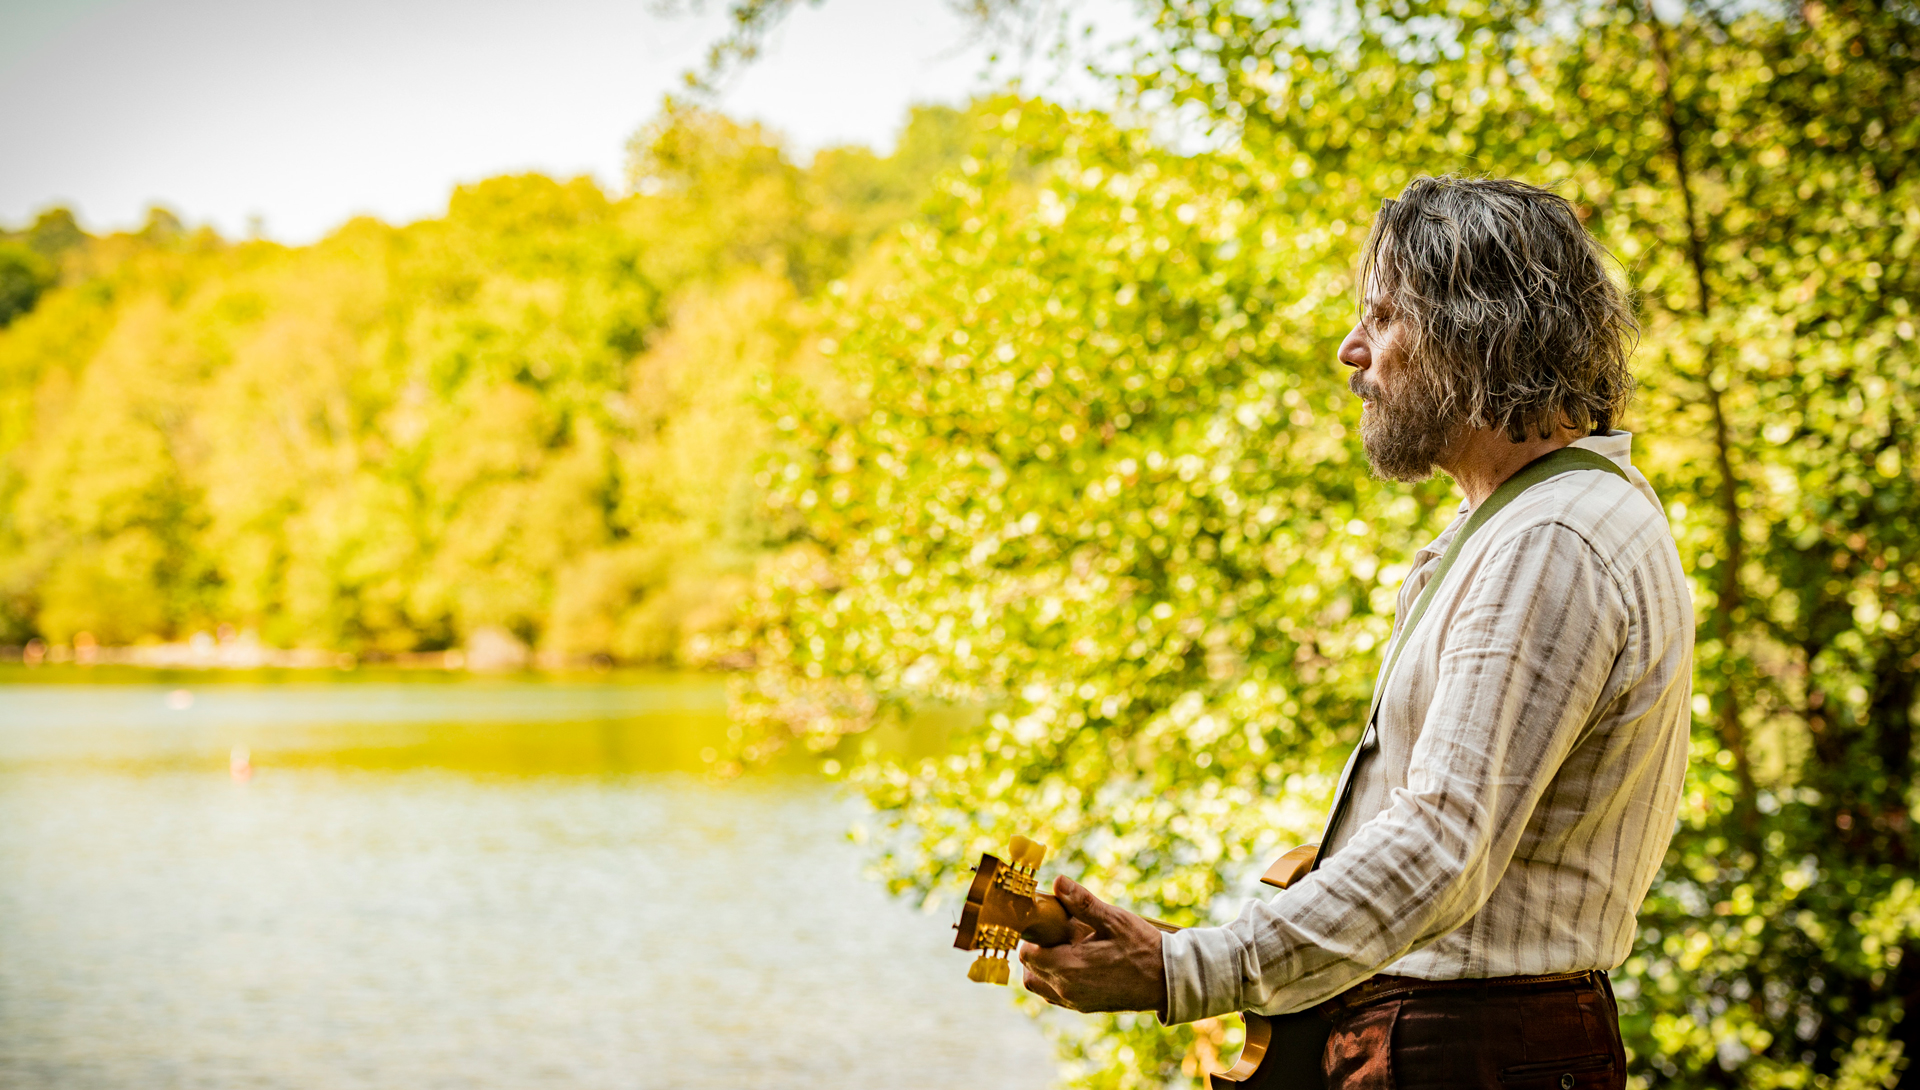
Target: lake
(367,881)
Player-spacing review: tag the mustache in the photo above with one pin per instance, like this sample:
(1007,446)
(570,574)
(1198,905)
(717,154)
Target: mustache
(1364,390)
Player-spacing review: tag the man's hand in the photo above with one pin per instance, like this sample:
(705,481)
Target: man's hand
(1112,962)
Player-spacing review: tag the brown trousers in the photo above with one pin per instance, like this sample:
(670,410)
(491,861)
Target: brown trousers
(1393,1033)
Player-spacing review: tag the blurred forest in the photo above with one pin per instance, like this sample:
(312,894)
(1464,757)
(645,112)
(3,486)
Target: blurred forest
(1095,472)
(538,414)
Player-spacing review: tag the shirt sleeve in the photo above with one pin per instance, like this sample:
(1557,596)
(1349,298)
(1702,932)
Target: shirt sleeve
(1525,661)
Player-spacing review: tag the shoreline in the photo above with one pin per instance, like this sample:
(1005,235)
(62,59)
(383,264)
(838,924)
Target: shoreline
(243,654)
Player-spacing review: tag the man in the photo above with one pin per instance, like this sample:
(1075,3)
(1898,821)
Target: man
(1512,800)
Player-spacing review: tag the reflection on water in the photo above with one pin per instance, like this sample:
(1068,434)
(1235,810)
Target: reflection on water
(148,722)
(419,887)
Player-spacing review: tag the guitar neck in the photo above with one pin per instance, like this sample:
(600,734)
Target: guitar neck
(1051,928)
(1285,871)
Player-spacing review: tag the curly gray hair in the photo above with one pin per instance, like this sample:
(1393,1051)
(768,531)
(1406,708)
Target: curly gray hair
(1516,325)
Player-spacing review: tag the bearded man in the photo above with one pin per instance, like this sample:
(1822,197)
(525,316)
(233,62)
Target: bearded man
(1515,788)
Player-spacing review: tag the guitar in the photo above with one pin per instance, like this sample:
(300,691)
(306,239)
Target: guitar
(1005,906)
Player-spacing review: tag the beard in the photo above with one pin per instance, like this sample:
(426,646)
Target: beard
(1404,432)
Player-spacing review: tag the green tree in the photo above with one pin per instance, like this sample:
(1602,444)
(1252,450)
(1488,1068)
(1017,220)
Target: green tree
(1088,471)
(24,274)
(1751,167)
(54,234)
(537,413)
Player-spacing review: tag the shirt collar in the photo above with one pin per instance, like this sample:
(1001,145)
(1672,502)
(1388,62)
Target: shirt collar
(1615,445)
(1618,446)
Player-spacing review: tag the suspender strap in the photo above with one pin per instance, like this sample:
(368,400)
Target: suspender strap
(1543,468)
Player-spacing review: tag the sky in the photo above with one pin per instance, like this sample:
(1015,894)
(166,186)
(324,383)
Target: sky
(291,116)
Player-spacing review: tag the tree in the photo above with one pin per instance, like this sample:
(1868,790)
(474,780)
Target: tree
(538,413)
(1089,474)
(1751,168)
(24,274)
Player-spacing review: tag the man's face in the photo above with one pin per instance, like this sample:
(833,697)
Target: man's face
(1401,425)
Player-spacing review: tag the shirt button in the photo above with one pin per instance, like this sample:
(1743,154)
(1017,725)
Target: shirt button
(1566,1081)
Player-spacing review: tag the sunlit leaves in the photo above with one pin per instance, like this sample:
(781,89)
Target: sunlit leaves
(1071,517)
(1094,477)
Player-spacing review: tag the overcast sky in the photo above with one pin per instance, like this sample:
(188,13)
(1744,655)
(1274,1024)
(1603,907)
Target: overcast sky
(303,113)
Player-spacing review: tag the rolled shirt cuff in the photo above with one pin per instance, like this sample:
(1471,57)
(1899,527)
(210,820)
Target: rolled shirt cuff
(1204,969)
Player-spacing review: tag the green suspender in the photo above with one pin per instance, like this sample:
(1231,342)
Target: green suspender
(1545,467)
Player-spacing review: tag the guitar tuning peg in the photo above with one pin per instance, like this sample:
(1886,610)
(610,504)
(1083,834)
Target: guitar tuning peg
(1027,854)
(988,969)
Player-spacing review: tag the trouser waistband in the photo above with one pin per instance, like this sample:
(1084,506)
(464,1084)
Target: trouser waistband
(1381,988)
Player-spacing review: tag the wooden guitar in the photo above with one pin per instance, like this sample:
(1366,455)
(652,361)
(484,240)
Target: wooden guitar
(1005,906)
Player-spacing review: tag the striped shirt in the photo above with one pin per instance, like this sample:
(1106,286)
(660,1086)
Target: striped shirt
(1532,743)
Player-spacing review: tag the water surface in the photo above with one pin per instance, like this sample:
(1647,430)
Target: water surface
(459,884)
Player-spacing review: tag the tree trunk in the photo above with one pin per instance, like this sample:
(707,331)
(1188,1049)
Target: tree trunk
(1733,549)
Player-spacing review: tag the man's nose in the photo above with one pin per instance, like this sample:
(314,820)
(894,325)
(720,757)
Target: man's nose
(1354,351)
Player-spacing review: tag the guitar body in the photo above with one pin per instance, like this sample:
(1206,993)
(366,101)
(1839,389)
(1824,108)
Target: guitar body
(1283,1052)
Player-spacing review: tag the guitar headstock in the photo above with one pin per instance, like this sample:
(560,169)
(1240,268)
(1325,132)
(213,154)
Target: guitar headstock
(1004,905)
